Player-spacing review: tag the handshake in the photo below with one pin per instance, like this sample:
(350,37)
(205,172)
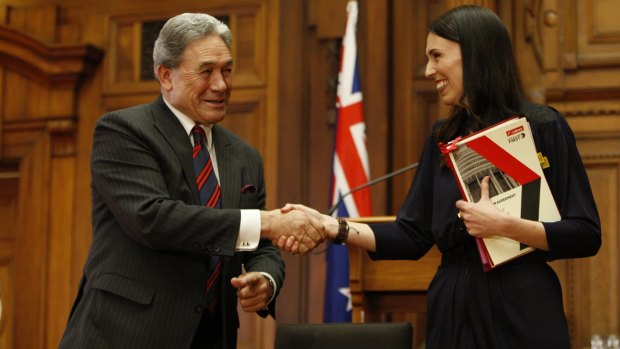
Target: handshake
(296,228)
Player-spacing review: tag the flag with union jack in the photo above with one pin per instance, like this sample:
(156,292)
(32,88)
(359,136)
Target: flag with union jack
(350,169)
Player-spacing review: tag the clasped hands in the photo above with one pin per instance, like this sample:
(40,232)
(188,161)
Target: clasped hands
(482,217)
(295,228)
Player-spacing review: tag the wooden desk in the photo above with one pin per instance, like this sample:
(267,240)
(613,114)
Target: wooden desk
(390,291)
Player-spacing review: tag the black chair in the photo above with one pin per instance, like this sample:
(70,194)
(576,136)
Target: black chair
(346,335)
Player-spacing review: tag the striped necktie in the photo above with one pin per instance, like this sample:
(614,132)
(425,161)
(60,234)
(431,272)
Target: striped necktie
(208,187)
(210,196)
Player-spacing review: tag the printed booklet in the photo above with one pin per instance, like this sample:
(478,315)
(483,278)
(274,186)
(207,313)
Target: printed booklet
(506,153)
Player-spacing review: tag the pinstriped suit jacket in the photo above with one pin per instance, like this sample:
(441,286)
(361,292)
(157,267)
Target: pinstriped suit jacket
(144,280)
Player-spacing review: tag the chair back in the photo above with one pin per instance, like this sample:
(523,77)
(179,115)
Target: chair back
(345,335)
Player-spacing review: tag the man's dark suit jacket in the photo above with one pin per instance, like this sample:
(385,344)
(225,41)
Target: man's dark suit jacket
(144,280)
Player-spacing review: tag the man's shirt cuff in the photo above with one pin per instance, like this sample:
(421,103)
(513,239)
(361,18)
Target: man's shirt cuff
(249,231)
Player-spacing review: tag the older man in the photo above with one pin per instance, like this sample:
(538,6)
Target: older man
(177,205)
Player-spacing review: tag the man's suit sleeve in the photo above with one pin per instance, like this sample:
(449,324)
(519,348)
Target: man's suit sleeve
(266,258)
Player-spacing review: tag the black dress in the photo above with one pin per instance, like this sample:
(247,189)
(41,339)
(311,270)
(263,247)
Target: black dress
(517,305)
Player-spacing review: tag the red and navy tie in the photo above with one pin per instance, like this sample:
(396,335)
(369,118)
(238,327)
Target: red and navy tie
(208,187)
(210,196)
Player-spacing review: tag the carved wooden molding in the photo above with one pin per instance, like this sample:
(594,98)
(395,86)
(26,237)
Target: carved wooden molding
(585,94)
(541,28)
(59,70)
(62,138)
(532,29)
(590,112)
(50,64)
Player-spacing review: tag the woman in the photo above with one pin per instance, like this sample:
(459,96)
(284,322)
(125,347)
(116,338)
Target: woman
(519,304)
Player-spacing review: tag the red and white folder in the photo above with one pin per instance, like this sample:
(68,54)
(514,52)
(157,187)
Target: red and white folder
(506,153)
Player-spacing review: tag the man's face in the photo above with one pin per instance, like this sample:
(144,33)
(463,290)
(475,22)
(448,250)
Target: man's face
(445,67)
(200,87)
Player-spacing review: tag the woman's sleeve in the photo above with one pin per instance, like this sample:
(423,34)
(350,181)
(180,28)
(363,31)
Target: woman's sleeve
(410,236)
(578,233)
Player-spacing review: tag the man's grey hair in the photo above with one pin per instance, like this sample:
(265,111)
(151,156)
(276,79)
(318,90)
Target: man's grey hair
(180,31)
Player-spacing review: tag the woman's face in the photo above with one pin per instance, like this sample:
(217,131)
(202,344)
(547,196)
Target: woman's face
(445,67)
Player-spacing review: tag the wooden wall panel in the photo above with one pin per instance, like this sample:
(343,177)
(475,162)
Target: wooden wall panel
(7,298)
(293,110)
(41,102)
(586,91)
(9,183)
(124,51)
(8,204)
(590,285)
(39,20)
(598,33)
(246,115)
(373,37)
(595,298)
(58,278)
(30,248)
(37,121)
(250,44)
(328,17)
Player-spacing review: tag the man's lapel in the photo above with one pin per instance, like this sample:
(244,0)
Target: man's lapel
(229,168)
(171,129)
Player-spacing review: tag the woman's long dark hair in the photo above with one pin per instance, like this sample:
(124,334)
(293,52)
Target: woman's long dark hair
(492,89)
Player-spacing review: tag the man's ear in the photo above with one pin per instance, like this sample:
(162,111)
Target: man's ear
(164,77)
